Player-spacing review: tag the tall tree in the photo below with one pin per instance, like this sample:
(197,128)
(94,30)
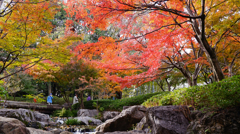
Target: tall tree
(22,43)
(151,26)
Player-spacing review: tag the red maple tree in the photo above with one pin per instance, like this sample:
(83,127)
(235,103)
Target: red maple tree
(156,36)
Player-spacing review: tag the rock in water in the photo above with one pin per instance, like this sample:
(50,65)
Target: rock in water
(88,120)
(124,121)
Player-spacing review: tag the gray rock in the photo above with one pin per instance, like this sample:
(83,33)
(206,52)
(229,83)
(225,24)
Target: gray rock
(21,114)
(128,132)
(88,120)
(165,120)
(28,117)
(109,114)
(87,112)
(225,121)
(126,107)
(142,125)
(38,131)
(41,117)
(12,126)
(124,121)
(65,132)
(56,131)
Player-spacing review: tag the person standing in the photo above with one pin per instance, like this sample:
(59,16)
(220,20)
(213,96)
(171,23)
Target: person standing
(89,98)
(49,99)
(75,99)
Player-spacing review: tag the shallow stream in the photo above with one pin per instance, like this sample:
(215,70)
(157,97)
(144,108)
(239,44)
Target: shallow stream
(75,129)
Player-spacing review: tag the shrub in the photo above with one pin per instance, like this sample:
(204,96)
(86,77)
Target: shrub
(76,106)
(73,122)
(60,100)
(65,113)
(56,113)
(225,93)
(39,97)
(108,104)
(19,99)
(56,100)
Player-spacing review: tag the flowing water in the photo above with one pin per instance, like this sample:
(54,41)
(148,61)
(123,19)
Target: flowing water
(75,129)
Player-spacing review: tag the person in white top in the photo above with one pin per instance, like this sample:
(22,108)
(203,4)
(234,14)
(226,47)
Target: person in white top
(75,99)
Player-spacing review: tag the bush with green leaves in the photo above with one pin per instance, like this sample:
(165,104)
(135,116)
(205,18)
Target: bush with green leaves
(60,100)
(39,97)
(225,93)
(3,93)
(56,100)
(109,104)
(20,99)
(76,106)
(73,122)
(65,113)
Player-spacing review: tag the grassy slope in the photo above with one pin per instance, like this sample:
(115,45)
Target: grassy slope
(225,93)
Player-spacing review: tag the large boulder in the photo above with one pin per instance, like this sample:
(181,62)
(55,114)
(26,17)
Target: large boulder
(12,126)
(225,121)
(124,121)
(165,120)
(89,120)
(87,112)
(122,132)
(28,117)
(109,114)
(38,131)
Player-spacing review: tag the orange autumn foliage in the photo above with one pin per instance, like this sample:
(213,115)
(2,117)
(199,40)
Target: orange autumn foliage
(155,36)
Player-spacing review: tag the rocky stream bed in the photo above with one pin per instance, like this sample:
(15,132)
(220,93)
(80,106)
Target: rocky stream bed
(132,120)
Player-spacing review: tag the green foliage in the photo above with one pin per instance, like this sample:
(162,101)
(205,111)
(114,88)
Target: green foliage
(225,93)
(55,113)
(66,113)
(3,92)
(39,97)
(101,109)
(73,122)
(107,104)
(30,85)
(19,99)
(98,107)
(56,100)
(95,104)
(76,106)
(60,100)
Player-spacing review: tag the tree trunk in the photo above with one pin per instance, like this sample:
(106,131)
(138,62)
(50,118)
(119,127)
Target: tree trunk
(49,88)
(212,57)
(168,84)
(153,87)
(189,80)
(81,97)
(194,82)
(199,29)
(119,95)
(14,95)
